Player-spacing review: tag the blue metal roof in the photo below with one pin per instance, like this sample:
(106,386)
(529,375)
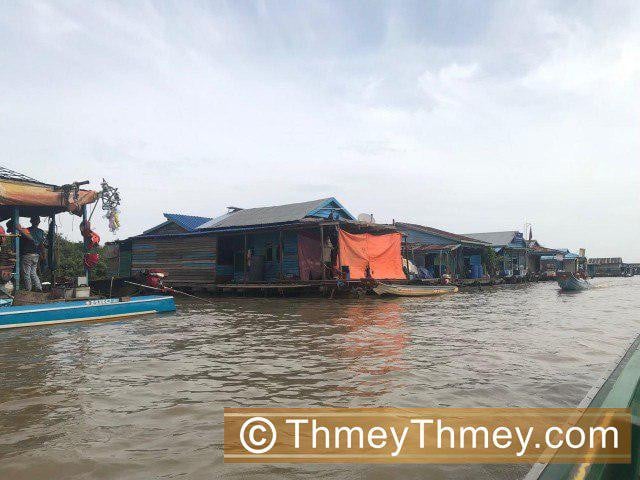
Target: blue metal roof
(189,222)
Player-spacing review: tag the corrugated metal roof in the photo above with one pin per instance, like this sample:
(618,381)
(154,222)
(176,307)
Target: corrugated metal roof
(440,233)
(276,214)
(418,248)
(12,175)
(494,238)
(189,222)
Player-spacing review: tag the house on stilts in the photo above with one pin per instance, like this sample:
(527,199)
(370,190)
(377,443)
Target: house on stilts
(299,245)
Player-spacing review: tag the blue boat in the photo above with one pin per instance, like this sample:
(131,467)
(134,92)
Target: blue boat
(570,283)
(81,311)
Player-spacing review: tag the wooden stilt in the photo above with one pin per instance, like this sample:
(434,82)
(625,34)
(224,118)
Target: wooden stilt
(16,247)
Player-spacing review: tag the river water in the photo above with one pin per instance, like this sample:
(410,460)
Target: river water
(143,398)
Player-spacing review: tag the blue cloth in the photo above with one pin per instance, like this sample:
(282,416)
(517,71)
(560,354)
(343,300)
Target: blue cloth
(38,235)
(425,272)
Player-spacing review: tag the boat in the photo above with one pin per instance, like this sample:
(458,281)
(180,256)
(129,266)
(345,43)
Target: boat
(81,311)
(620,388)
(570,283)
(413,290)
(65,300)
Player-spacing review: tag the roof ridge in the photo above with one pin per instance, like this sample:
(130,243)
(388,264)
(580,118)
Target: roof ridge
(289,204)
(185,215)
(452,235)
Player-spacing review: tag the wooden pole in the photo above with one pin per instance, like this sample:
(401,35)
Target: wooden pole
(406,248)
(324,275)
(338,259)
(85,219)
(16,246)
(281,250)
(244,261)
(51,237)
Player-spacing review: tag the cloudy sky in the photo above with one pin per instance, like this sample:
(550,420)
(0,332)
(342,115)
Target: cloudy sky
(467,116)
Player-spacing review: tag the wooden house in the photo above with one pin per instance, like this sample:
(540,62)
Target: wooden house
(176,247)
(543,262)
(301,242)
(304,241)
(437,252)
(511,247)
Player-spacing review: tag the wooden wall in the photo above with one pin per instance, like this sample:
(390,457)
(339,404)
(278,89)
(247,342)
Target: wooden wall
(187,260)
(117,257)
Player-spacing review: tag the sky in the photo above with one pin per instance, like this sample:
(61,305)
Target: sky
(467,116)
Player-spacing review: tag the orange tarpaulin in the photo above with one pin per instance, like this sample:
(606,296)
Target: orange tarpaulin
(44,197)
(381,253)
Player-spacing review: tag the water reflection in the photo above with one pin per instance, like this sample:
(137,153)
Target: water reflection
(144,398)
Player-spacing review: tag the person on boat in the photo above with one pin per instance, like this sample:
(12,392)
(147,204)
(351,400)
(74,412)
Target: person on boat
(31,244)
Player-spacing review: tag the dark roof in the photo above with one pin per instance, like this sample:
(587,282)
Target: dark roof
(539,249)
(291,212)
(440,233)
(188,222)
(12,175)
(602,261)
(494,238)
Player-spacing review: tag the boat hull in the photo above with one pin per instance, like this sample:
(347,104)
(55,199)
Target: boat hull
(82,311)
(413,290)
(572,284)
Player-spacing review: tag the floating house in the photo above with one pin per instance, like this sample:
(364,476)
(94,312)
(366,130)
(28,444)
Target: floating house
(437,252)
(605,267)
(308,242)
(543,262)
(562,261)
(510,246)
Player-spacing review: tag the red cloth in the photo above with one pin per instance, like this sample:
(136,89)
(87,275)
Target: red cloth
(381,253)
(309,256)
(91,260)
(91,237)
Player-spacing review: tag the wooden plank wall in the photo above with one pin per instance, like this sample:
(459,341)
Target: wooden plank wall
(186,260)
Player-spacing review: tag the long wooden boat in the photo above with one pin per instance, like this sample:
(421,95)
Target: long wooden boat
(81,311)
(619,389)
(570,283)
(413,290)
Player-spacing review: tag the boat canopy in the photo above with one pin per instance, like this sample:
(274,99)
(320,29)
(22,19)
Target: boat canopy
(34,198)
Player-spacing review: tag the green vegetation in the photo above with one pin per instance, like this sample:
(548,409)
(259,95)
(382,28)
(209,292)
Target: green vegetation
(492,260)
(69,256)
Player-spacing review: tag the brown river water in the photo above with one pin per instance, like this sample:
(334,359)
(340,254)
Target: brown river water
(143,398)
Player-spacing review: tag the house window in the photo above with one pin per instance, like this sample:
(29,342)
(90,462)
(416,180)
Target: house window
(268,252)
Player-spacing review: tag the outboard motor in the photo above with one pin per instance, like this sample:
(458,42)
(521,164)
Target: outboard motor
(153,277)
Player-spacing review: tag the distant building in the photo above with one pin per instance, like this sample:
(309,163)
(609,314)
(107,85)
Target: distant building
(605,267)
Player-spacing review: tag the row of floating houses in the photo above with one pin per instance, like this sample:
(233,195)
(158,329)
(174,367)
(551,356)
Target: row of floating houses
(319,243)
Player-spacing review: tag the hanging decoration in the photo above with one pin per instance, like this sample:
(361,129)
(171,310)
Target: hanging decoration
(110,203)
